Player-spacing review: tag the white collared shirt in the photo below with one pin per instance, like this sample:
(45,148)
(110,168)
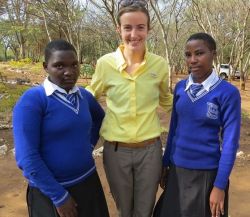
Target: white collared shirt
(209,82)
(53,89)
(50,88)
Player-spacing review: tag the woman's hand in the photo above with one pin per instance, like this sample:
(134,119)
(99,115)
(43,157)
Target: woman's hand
(164,175)
(217,197)
(68,209)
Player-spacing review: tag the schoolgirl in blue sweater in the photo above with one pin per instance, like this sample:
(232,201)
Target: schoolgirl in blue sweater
(203,138)
(56,125)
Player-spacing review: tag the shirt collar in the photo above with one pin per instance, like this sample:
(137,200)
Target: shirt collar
(120,60)
(50,88)
(209,82)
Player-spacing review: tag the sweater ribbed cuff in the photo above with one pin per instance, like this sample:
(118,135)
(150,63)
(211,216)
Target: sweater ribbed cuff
(61,200)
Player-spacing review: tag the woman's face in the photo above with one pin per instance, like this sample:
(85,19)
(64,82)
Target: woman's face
(63,68)
(199,59)
(134,30)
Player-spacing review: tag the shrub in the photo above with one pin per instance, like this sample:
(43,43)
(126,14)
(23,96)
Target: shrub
(87,70)
(9,95)
(20,63)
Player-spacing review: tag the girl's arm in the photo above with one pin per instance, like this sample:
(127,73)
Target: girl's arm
(97,114)
(27,121)
(231,119)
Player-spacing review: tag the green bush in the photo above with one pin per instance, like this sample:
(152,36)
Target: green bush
(9,95)
(26,60)
(20,63)
(87,70)
(245,114)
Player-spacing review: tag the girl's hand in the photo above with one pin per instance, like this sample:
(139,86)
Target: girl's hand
(68,209)
(217,197)
(164,176)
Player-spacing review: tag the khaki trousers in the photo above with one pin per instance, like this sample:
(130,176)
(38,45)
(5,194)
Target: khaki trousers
(133,175)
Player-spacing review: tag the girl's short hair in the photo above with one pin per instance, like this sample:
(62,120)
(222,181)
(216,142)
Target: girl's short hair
(208,39)
(57,45)
(126,6)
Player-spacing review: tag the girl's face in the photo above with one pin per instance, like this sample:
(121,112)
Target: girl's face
(199,59)
(134,30)
(63,68)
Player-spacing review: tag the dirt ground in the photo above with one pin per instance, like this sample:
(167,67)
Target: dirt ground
(13,185)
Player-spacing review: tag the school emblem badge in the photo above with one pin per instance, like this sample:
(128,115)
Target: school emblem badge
(212,111)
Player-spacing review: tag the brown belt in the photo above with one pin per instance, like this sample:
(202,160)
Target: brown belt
(135,145)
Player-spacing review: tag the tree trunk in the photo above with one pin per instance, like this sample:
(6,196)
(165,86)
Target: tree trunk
(242,83)
(5,54)
(22,47)
(46,25)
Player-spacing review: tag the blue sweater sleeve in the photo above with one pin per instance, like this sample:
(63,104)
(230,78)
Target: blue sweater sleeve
(27,119)
(231,120)
(171,133)
(97,114)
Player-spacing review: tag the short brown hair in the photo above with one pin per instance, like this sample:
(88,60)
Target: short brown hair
(132,8)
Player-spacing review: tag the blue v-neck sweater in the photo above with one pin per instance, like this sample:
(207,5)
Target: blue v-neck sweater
(53,143)
(204,131)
